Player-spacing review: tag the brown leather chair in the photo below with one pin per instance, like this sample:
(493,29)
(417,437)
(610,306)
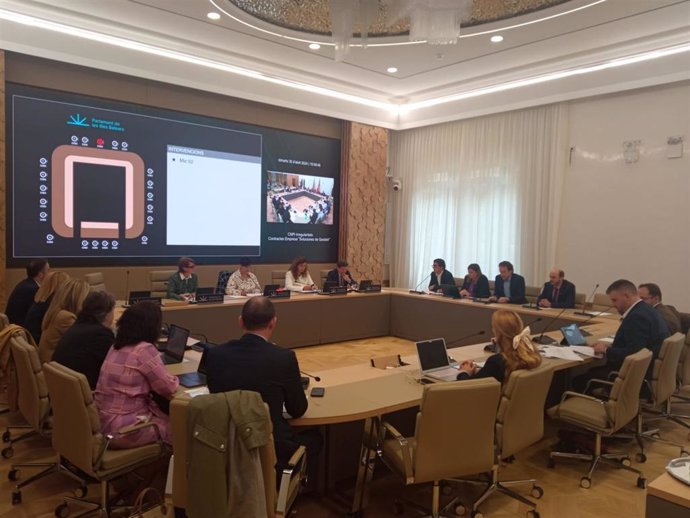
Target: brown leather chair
(605,418)
(454,436)
(532,293)
(682,395)
(96,281)
(278,503)
(278,277)
(77,438)
(519,424)
(159,282)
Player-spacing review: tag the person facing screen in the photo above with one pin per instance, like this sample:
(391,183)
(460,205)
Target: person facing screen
(183,284)
(515,347)
(60,316)
(243,281)
(42,300)
(297,278)
(475,284)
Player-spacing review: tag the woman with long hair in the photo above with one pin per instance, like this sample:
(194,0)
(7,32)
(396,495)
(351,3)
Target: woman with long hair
(516,350)
(42,300)
(60,316)
(297,278)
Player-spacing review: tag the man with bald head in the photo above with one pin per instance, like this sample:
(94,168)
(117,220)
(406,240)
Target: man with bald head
(557,293)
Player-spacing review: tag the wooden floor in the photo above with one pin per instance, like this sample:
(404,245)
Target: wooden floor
(613,494)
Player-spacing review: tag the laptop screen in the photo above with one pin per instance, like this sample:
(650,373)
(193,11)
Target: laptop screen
(573,335)
(177,341)
(270,288)
(432,354)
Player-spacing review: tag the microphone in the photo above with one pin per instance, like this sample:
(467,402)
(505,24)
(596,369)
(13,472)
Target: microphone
(478,333)
(493,346)
(540,339)
(416,288)
(584,304)
(315,378)
(126,286)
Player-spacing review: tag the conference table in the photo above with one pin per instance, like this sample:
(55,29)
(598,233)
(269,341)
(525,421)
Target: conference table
(357,397)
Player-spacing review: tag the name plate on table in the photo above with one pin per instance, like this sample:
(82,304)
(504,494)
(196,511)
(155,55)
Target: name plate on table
(209,297)
(336,290)
(134,300)
(282,294)
(372,288)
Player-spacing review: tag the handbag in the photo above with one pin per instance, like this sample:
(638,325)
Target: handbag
(143,510)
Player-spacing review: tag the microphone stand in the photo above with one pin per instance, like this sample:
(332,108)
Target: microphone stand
(416,288)
(584,304)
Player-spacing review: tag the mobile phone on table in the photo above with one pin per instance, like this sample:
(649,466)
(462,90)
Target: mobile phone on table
(318,392)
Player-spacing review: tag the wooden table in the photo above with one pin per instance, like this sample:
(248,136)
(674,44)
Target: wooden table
(667,498)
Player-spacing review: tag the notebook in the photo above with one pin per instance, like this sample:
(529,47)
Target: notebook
(433,360)
(198,378)
(173,351)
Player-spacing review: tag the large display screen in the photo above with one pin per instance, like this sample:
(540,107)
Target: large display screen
(92,181)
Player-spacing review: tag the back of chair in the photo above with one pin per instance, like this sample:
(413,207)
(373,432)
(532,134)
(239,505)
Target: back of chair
(666,367)
(76,425)
(278,277)
(455,429)
(624,400)
(520,418)
(96,281)
(601,302)
(580,299)
(4,321)
(532,293)
(222,282)
(159,282)
(32,398)
(684,363)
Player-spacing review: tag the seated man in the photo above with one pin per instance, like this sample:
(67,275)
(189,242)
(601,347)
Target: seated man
(640,327)
(341,275)
(22,296)
(557,293)
(440,275)
(651,294)
(509,287)
(254,363)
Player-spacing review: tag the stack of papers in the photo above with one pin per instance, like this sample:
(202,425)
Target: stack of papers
(584,350)
(562,353)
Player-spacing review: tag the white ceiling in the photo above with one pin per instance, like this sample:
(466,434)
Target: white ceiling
(427,88)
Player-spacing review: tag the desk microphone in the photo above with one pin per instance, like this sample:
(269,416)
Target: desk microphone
(584,304)
(493,346)
(315,378)
(416,288)
(478,333)
(540,339)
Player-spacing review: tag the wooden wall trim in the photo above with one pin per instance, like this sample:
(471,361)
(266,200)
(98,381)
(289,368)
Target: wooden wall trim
(345,143)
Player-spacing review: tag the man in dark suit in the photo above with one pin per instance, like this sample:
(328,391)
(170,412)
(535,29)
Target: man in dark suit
(440,276)
(341,275)
(22,295)
(640,327)
(254,363)
(509,287)
(557,293)
(651,294)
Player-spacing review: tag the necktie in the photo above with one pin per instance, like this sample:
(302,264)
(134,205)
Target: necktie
(555,295)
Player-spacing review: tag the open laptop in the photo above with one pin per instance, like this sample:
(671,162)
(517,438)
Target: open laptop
(270,288)
(450,290)
(433,360)
(198,378)
(573,335)
(364,285)
(173,350)
(206,291)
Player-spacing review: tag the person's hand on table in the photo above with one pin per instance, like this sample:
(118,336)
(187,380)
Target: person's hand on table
(468,366)
(545,303)
(600,347)
(503,300)
(464,293)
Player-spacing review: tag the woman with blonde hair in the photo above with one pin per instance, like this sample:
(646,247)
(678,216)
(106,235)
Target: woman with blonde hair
(42,300)
(516,350)
(60,316)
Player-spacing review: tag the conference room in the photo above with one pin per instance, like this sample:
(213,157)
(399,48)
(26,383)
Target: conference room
(534,147)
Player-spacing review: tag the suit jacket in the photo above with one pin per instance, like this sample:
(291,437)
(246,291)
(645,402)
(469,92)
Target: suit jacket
(566,295)
(642,327)
(670,316)
(517,288)
(252,363)
(83,348)
(446,278)
(481,289)
(334,276)
(20,301)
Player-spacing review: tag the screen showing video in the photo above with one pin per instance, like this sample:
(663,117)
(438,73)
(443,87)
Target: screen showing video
(94,182)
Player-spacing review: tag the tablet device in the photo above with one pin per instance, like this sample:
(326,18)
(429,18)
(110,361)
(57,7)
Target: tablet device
(573,335)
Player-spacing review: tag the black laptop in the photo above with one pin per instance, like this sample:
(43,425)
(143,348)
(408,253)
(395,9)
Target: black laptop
(141,296)
(270,288)
(173,350)
(450,290)
(198,378)
(205,291)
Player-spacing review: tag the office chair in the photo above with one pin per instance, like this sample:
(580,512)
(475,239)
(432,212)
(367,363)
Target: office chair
(159,282)
(95,281)
(682,395)
(605,418)
(435,453)
(4,360)
(222,282)
(78,440)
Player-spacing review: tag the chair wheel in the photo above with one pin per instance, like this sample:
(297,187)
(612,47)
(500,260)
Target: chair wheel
(640,457)
(62,511)
(626,461)
(533,513)
(81,491)
(585,482)
(551,464)
(684,453)
(397,508)
(13,475)
(6,436)
(8,452)
(641,482)
(446,489)
(537,492)
(16,497)
(477,514)
(460,510)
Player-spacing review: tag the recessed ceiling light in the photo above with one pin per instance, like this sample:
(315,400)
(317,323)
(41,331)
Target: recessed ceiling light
(391,70)
(496,39)
(213,16)
(314,46)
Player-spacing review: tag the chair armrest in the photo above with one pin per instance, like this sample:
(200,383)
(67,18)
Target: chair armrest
(568,394)
(287,491)
(404,446)
(597,382)
(613,375)
(296,457)
(127,430)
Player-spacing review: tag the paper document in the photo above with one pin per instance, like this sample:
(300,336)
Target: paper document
(480,364)
(562,353)
(584,350)
(199,391)
(606,339)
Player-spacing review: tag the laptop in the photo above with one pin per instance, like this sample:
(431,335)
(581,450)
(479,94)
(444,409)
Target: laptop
(433,360)
(573,335)
(364,285)
(173,350)
(450,290)
(141,296)
(329,285)
(198,378)
(270,288)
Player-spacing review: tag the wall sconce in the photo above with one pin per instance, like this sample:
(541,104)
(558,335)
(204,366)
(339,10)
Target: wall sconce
(675,147)
(631,151)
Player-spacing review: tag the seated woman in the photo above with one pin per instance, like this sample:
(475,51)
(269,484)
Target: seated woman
(132,370)
(243,281)
(516,350)
(183,284)
(61,314)
(297,277)
(85,345)
(476,285)
(42,299)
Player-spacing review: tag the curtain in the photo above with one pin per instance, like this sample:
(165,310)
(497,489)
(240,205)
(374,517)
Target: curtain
(478,191)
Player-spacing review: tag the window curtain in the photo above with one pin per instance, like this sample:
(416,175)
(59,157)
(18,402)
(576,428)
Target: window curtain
(478,191)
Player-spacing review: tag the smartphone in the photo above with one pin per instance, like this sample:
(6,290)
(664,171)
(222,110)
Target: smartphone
(318,392)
